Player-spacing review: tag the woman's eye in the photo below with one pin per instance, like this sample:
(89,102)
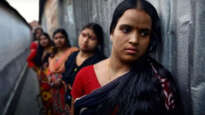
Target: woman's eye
(61,37)
(83,34)
(144,33)
(92,38)
(125,29)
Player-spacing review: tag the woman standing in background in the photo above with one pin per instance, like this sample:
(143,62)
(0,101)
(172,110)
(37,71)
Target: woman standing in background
(61,52)
(33,48)
(44,51)
(91,45)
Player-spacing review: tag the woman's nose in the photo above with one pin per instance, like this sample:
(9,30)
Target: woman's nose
(134,38)
(85,39)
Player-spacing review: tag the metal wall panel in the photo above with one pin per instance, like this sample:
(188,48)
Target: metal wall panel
(197,54)
(68,20)
(15,39)
(50,17)
(176,26)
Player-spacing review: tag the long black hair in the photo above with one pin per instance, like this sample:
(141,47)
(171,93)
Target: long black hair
(62,31)
(98,31)
(141,93)
(38,58)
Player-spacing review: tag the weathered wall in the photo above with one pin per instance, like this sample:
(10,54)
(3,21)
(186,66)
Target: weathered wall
(183,37)
(15,39)
(67,19)
(51,16)
(176,24)
(59,14)
(197,56)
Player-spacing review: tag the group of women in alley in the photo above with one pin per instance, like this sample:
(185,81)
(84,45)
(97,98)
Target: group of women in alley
(56,62)
(81,81)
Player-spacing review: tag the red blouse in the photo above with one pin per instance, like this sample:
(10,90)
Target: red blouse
(34,45)
(85,82)
(33,51)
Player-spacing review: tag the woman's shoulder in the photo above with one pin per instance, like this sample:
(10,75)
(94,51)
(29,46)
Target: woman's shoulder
(70,50)
(100,64)
(73,49)
(34,45)
(72,58)
(85,74)
(74,54)
(86,70)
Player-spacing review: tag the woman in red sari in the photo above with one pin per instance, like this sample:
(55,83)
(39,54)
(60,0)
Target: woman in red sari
(33,49)
(62,51)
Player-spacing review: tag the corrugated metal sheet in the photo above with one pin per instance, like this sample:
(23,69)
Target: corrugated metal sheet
(15,39)
(197,54)
(183,37)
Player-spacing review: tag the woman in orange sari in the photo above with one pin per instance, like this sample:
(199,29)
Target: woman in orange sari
(62,51)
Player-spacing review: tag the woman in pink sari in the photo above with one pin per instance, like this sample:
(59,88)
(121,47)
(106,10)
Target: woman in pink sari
(57,61)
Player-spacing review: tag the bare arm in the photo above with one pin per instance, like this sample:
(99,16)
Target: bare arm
(72,107)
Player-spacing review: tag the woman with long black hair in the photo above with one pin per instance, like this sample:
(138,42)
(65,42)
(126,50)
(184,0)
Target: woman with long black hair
(91,51)
(130,81)
(61,52)
(44,51)
(33,48)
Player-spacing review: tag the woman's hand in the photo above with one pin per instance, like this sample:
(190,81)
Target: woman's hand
(58,82)
(69,87)
(72,107)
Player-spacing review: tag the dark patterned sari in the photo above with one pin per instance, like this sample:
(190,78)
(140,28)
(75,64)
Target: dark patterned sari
(158,98)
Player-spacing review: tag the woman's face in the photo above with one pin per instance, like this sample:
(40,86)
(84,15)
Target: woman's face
(44,41)
(38,33)
(59,40)
(131,36)
(87,40)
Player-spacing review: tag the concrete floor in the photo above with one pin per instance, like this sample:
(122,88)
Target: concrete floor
(28,103)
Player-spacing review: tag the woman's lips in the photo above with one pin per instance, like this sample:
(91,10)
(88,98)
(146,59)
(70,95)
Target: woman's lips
(131,50)
(85,46)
